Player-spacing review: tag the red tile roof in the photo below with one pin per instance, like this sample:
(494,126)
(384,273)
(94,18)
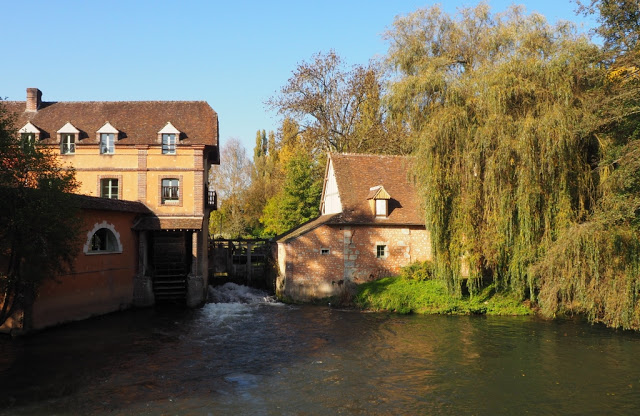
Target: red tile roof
(158,223)
(356,174)
(106,204)
(305,228)
(138,121)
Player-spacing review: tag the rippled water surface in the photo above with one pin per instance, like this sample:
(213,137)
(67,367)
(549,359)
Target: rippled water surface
(266,358)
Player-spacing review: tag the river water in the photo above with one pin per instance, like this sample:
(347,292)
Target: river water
(248,355)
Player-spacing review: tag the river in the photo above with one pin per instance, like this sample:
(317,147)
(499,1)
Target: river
(249,355)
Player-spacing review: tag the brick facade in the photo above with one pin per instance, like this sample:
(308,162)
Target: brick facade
(308,273)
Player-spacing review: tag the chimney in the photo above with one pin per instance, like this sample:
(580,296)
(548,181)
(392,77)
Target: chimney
(34,99)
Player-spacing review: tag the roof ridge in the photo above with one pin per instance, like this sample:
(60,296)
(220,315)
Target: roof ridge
(120,101)
(365,154)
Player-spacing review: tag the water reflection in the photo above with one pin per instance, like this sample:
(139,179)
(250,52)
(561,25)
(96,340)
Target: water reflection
(260,357)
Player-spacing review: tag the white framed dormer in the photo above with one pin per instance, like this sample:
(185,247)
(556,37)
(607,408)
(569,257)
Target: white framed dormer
(169,137)
(107,136)
(29,135)
(379,201)
(68,136)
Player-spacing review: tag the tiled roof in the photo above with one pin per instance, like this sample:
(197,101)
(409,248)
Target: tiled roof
(88,202)
(158,223)
(106,204)
(137,121)
(356,174)
(304,228)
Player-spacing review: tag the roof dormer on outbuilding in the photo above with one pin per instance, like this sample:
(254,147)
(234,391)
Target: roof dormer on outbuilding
(379,201)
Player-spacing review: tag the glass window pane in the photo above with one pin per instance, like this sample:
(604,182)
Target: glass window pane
(107,143)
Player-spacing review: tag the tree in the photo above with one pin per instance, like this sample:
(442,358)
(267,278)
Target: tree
(339,110)
(619,22)
(593,267)
(299,198)
(39,230)
(264,181)
(230,179)
(499,107)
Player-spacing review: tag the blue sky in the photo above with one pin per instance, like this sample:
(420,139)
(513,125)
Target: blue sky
(232,54)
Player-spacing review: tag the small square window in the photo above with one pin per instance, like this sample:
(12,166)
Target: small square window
(381,251)
(109,188)
(324,251)
(170,190)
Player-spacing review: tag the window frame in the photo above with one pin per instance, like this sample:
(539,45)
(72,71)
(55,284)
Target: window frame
(112,243)
(106,241)
(27,140)
(110,187)
(68,142)
(172,199)
(385,251)
(382,207)
(110,145)
(169,144)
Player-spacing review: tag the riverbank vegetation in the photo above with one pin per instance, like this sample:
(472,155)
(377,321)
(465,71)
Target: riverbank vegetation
(416,291)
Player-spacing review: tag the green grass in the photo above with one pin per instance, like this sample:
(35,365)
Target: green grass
(406,295)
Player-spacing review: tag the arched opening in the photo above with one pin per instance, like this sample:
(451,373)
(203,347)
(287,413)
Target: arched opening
(103,240)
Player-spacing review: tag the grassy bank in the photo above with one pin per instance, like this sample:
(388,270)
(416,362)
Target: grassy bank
(409,293)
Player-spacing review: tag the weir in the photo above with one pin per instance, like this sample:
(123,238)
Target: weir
(243,261)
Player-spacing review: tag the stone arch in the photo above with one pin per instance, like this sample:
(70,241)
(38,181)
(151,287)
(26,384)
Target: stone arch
(109,237)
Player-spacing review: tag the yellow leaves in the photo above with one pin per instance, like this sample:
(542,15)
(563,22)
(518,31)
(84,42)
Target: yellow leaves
(624,74)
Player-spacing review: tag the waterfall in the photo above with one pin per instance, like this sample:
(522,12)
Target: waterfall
(234,293)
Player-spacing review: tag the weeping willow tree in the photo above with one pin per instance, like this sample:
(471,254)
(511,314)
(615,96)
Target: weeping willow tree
(594,267)
(499,110)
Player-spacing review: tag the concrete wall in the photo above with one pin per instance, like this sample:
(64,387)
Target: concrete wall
(305,273)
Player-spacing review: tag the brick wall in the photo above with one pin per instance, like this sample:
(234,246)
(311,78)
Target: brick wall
(331,259)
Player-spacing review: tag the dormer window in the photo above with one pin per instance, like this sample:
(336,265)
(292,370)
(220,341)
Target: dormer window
(379,201)
(27,140)
(169,136)
(67,143)
(68,135)
(107,144)
(168,144)
(29,135)
(107,136)
(382,207)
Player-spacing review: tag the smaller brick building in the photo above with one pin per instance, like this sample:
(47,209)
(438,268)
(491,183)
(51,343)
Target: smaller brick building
(370,226)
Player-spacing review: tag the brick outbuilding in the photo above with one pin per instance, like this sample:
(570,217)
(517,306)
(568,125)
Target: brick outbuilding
(370,226)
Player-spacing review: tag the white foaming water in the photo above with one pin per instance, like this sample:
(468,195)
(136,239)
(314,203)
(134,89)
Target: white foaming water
(234,293)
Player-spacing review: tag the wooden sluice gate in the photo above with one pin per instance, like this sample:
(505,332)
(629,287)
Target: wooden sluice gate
(241,261)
